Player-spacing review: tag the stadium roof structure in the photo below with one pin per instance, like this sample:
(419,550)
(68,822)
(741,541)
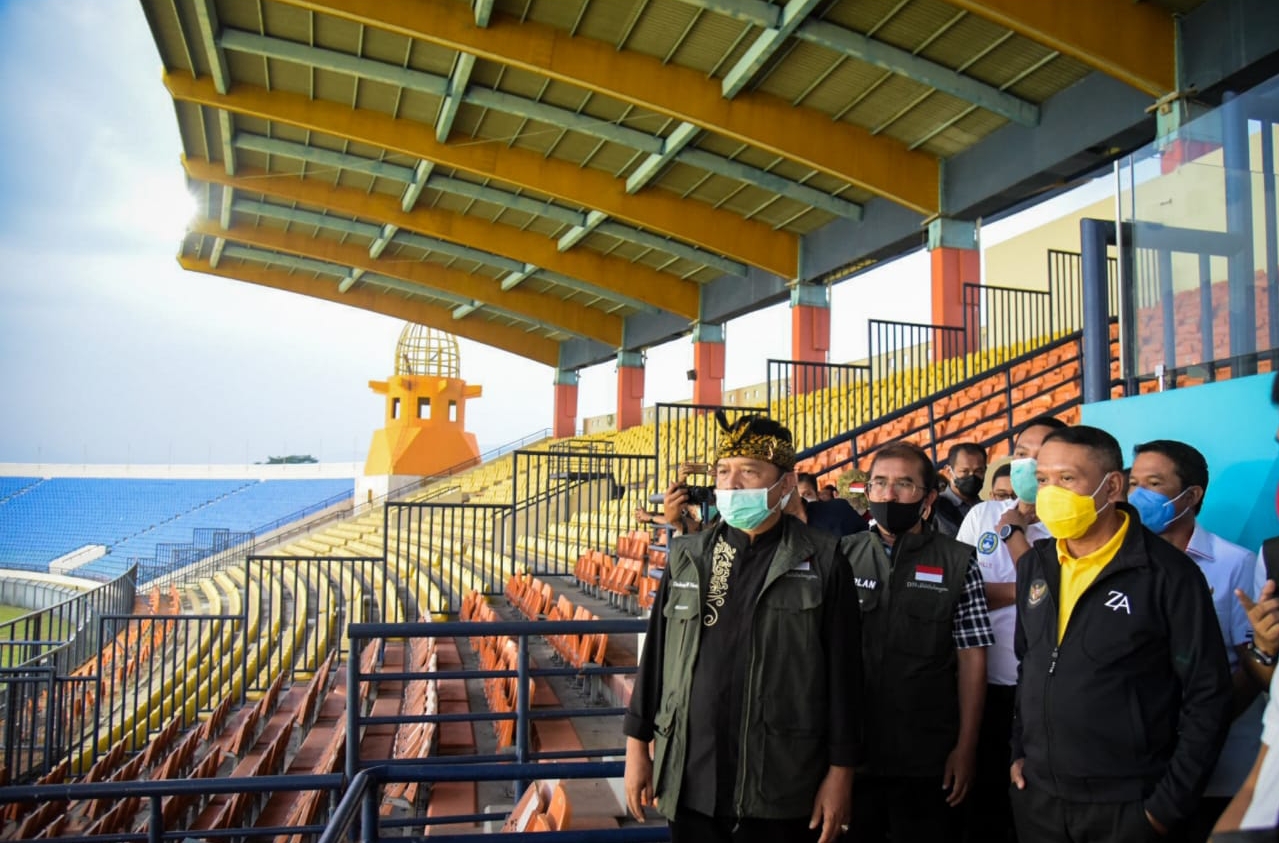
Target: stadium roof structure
(564,179)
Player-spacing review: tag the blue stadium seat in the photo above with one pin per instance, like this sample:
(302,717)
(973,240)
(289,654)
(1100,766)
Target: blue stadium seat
(41,520)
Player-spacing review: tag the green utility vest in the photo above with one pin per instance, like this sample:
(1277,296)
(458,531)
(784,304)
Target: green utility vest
(783,752)
(908,654)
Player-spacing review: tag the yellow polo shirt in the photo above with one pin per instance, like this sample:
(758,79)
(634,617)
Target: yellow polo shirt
(1078,574)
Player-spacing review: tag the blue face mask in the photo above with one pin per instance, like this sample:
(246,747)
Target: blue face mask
(1021,473)
(746,509)
(1156,510)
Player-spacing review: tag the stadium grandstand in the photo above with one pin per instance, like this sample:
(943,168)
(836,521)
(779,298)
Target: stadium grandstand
(443,646)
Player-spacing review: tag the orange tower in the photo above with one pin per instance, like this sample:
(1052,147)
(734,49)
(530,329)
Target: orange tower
(425,430)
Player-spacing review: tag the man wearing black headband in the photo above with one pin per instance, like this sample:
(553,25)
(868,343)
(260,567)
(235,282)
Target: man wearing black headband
(749,686)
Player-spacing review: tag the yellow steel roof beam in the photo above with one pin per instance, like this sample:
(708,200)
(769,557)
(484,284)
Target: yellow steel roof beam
(878,164)
(572,317)
(720,231)
(1131,41)
(658,289)
(514,340)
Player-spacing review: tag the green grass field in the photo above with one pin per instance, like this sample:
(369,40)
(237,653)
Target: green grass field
(8,613)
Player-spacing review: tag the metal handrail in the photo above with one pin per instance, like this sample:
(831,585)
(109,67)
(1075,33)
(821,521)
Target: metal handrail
(935,396)
(359,804)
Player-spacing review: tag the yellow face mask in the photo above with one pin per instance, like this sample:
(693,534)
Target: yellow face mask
(1066,514)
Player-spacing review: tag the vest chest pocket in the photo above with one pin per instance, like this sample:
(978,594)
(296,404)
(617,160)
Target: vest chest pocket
(683,604)
(924,621)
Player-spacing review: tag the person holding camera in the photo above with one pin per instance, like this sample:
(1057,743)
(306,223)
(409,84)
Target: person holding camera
(744,720)
(686,506)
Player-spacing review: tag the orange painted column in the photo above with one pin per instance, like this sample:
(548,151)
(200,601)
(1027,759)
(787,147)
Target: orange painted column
(1178,147)
(708,364)
(565,421)
(630,389)
(809,336)
(956,260)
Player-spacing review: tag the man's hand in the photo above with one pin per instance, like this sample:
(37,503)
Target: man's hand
(833,804)
(1015,776)
(674,503)
(958,774)
(1014,515)
(1264,617)
(638,778)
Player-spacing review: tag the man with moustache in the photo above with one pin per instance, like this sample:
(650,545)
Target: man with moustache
(925,632)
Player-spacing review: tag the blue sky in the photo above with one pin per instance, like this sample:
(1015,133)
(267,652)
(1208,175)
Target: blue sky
(109,352)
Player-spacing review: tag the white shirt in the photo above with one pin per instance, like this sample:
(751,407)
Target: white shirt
(997,565)
(1228,566)
(1263,811)
(1262,576)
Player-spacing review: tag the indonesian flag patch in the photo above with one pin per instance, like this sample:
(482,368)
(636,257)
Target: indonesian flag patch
(925,573)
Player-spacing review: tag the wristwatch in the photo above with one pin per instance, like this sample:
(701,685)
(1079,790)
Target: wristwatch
(1006,531)
(1263,658)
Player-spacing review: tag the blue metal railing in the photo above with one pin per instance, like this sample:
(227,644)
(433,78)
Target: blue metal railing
(358,814)
(154,792)
(362,633)
(359,806)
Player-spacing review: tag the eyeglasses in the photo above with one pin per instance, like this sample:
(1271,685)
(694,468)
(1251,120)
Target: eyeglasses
(1002,496)
(905,487)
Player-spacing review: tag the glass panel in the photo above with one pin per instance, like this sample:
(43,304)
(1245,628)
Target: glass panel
(1200,234)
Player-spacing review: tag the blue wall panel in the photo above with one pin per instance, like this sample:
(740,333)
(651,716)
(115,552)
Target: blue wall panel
(1233,424)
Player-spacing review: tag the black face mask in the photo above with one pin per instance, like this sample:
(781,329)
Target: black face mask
(896,517)
(968,486)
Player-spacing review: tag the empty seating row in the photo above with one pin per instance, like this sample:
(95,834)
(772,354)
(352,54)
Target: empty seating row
(624,583)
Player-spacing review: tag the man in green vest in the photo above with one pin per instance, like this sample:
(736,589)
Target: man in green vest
(744,722)
(925,630)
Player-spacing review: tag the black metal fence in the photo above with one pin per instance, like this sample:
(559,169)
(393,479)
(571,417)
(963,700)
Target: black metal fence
(210,549)
(688,433)
(154,668)
(303,605)
(63,635)
(440,551)
(566,503)
(30,725)
(1066,287)
(1004,322)
(815,414)
(44,707)
(1014,392)
(909,360)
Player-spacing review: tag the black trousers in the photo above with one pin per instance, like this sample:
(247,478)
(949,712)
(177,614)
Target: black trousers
(988,816)
(903,810)
(1207,812)
(693,827)
(1043,818)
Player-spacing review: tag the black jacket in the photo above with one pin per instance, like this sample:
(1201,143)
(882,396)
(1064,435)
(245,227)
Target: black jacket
(1135,702)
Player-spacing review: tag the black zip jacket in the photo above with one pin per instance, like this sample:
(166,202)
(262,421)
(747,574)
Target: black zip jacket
(1135,702)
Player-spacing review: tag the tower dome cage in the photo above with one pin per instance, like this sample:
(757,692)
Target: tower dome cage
(423,351)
